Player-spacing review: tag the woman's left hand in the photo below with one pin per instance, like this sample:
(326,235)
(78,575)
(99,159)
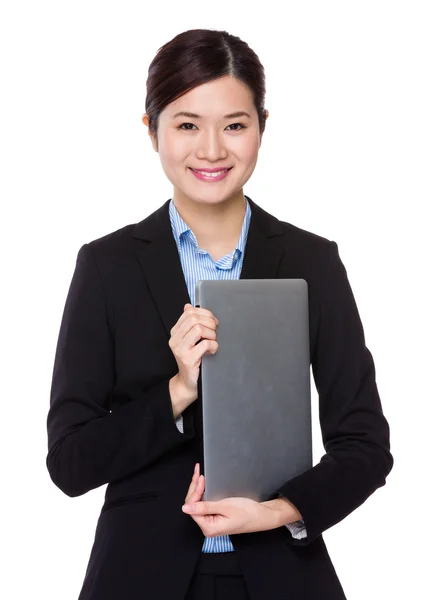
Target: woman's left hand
(228,516)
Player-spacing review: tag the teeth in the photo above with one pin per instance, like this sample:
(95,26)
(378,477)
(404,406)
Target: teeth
(211,174)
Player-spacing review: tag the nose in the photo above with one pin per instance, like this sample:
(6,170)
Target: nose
(211,146)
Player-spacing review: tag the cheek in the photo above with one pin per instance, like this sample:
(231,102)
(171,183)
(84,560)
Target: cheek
(174,149)
(246,148)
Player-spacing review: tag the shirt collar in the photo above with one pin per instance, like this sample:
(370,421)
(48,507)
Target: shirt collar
(180,228)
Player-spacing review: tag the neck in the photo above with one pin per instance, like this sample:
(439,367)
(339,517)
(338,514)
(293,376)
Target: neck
(214,225)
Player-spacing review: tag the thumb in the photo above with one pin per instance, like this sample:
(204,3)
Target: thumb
(200,508)
(186,306)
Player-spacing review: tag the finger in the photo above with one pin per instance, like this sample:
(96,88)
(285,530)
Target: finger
(199,490)
(197,333)
(199,311)
(193,483)
(204,347)
(196,311)
(195,476)
(190,318)
(196,493)
(181,319)
(195,323)
(201,508)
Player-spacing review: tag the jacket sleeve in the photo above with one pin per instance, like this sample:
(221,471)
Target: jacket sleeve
(355,432)
(88,444)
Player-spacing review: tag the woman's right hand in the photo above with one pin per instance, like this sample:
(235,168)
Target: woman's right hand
(195,324)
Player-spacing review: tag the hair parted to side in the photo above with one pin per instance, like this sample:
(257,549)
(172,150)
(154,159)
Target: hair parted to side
(195,57)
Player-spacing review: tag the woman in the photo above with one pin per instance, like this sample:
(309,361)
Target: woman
(125,384)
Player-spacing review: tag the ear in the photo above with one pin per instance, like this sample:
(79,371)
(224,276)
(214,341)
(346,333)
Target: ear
(145,120)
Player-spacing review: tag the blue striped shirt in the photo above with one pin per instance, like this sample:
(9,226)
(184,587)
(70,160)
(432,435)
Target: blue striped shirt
(198,265)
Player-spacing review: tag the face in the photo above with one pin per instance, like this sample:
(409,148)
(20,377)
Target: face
(209,141)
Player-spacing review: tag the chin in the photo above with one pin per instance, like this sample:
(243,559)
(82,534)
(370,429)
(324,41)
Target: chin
(216,197)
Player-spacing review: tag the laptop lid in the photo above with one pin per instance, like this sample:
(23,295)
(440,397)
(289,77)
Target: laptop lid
(256,388)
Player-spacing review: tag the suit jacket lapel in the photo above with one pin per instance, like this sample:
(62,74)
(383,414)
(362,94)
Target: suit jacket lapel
(264,245)
(157,252)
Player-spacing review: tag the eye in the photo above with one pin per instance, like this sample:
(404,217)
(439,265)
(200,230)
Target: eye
(241,126)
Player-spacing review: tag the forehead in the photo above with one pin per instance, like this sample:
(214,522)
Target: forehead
(214,99)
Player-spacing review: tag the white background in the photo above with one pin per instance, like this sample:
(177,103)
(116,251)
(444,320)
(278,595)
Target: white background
(354,150)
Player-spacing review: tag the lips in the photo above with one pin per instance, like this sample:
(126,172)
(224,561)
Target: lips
(210,178)
(204,171)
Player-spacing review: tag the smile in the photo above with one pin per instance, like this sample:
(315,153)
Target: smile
(210,176)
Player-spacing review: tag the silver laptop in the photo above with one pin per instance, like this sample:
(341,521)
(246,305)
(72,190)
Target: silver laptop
(256,388)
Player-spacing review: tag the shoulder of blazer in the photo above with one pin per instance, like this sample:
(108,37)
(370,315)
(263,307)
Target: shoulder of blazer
(303,235)
(305,247)
(115,239)
(120,239)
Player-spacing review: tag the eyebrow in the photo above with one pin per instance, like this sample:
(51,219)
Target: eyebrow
(235,115)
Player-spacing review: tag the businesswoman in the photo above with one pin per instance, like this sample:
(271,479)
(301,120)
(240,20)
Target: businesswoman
(125,400)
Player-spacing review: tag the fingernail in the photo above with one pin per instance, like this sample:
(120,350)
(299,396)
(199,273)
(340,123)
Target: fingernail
(188,508)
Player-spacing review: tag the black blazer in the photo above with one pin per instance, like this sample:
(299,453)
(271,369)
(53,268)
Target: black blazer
(111,422)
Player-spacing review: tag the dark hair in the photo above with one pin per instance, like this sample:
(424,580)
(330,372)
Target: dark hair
(195,57)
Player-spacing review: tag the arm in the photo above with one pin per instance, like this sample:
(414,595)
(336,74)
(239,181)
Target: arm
(291,518)
(355,432)
(88,445)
